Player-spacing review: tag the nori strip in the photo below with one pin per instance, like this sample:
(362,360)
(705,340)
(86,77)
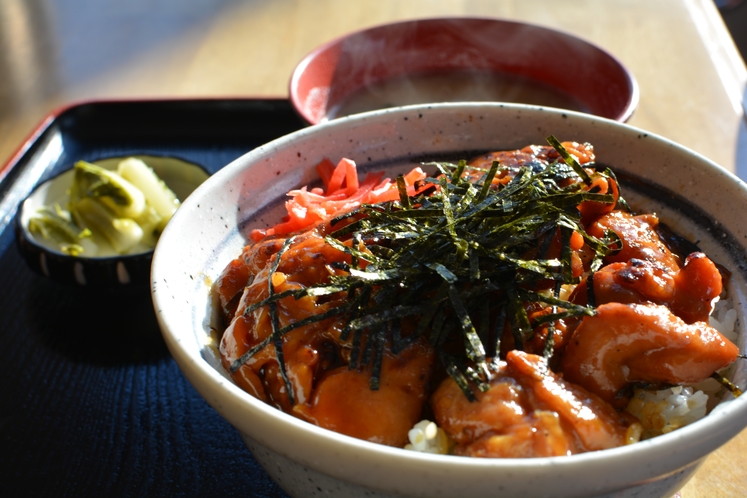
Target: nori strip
(427,257)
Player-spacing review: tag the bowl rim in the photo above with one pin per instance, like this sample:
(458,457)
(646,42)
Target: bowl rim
(224,395)
(623,115)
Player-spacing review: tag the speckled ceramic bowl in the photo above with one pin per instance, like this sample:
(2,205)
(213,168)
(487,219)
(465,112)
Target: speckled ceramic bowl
(97,272)
(685,189)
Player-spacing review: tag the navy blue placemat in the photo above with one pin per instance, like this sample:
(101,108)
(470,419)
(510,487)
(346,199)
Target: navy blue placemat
(91,402)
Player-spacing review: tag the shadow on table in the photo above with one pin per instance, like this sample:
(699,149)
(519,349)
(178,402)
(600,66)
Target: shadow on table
(734,13)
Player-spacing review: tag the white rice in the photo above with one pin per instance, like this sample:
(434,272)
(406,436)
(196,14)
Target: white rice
(663,411)
(427,437)
(724,319)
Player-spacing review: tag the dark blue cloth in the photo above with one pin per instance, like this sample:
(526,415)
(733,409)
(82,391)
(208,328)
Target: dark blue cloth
(91,402)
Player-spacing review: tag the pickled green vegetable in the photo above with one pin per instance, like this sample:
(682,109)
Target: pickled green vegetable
(125,210)
(54,224)
(110,189)
(122,233)
(159,196)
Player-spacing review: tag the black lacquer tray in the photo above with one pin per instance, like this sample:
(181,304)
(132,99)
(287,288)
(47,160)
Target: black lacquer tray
(91,402)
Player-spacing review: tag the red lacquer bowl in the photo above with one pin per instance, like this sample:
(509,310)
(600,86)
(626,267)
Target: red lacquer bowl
(460,59)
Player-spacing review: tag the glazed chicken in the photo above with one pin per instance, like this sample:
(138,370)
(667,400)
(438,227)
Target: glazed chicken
(529,411)
(636,316)
(326,391)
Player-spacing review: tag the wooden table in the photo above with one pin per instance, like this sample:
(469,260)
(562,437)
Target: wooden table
(692,79)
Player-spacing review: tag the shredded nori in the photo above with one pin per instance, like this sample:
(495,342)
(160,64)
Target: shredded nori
(729,385)
(461,261)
